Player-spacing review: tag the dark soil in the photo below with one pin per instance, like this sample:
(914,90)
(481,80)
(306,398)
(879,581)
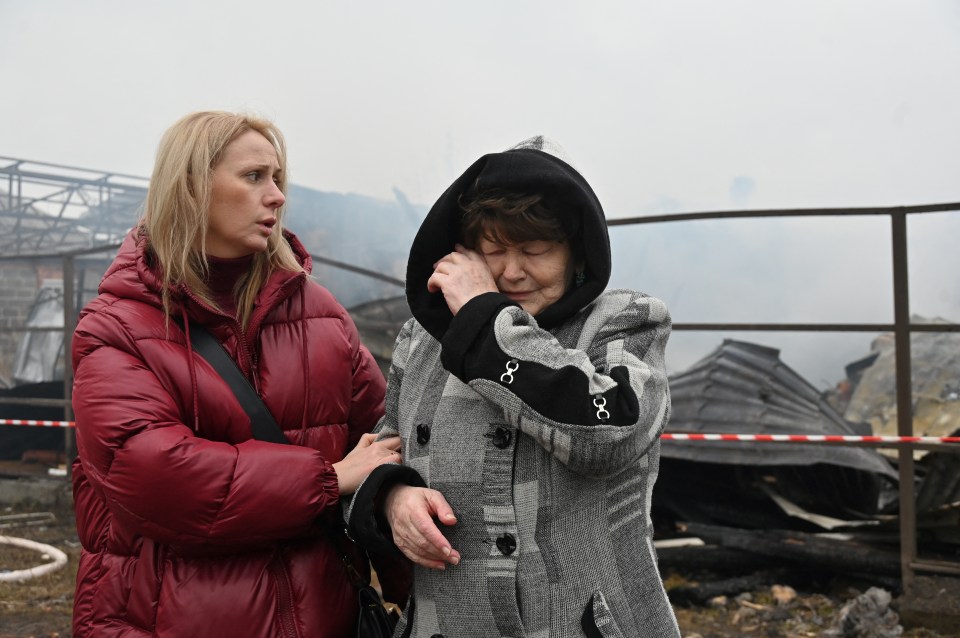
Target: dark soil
(797,614)
(40,607)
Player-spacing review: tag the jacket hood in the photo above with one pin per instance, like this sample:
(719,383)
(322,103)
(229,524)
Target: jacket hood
(522,169)
(134,274)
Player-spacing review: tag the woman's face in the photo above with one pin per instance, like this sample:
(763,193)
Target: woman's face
(244,197)
(535,274)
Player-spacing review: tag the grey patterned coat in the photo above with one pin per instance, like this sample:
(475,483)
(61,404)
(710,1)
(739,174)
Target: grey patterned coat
(545,444)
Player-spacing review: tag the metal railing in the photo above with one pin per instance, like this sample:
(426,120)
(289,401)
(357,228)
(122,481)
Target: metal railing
(901,328)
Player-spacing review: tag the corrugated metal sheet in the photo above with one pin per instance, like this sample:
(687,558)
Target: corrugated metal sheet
(940,485)
(745,388)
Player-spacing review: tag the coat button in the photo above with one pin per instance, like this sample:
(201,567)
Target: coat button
(507,544)
(502,437)
(437,636)
(423,433)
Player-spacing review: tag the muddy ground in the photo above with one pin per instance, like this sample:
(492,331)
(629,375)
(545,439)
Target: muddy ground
(41,607)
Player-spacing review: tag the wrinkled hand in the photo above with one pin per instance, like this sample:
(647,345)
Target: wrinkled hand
(411,512)
(461,276)
(367,455)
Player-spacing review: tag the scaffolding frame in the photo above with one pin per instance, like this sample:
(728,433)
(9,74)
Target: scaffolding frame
(53,208)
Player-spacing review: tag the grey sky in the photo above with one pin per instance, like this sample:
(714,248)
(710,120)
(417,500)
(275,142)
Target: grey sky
(664,106)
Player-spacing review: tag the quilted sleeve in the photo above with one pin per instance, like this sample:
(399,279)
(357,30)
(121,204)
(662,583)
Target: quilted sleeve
(366,405)
(160,479)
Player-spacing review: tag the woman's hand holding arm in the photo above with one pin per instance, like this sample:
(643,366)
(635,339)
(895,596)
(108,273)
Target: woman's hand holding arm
(411,511)
(361,460)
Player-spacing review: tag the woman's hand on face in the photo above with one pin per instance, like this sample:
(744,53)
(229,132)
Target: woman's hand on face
(461,276)
(367,455)
(411,512)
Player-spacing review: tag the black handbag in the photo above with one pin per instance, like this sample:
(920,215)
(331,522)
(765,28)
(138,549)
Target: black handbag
(373,619)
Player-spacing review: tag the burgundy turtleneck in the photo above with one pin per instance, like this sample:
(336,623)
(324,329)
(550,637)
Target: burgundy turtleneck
(223,277)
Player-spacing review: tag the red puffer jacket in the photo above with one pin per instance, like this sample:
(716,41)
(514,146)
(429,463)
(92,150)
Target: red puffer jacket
(189,527)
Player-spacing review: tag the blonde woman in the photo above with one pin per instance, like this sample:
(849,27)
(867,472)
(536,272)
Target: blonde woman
(189,526)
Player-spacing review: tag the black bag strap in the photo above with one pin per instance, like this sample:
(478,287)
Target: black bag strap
(335,536)
(262,423)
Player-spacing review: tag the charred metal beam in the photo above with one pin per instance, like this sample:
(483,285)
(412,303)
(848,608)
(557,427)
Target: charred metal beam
(799,547)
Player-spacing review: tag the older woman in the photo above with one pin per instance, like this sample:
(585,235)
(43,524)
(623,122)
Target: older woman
(529,403)
(189,525)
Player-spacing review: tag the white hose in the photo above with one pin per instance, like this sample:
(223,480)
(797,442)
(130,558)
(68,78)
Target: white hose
(59,559)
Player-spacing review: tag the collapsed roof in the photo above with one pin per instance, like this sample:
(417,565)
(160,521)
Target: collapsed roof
(745,388)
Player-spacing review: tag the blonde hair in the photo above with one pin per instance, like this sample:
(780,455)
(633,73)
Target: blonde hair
(176,216)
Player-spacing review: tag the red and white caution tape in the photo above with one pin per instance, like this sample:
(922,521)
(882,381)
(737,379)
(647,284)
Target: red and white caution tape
(678,436)
(810,438)
(46,424)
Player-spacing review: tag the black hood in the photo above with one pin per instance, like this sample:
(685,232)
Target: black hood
(522,171)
